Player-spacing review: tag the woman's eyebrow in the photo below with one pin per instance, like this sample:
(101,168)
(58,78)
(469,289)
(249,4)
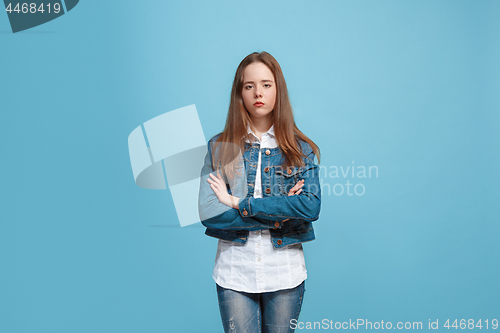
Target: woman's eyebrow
(260,81)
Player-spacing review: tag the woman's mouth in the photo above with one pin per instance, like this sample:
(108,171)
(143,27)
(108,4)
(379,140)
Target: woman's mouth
(258,104)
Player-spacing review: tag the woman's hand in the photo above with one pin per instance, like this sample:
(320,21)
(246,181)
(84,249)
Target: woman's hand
(218,185)
(297,188)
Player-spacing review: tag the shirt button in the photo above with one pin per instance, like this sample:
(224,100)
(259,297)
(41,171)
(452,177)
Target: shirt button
(276,224)
(289,171)
(245,212)
(258,245)
(268,152)
(257,233)
(266,169)
(279,242)
(268,190)
(258,259)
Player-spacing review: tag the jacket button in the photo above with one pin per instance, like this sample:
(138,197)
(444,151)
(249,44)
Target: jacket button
(268,152)
(289,171)
(268,190)
(279,242)
(266,169)
(276,224)
(245,212)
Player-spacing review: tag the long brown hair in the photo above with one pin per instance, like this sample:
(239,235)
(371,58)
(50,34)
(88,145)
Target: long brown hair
(286,132)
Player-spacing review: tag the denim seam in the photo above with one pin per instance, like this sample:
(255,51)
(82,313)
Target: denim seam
(289,216)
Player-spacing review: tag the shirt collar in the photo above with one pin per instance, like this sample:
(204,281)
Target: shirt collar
(269,131)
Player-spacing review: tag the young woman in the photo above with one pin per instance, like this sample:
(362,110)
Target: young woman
(259,193)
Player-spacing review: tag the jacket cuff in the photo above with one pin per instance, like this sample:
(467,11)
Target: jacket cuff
(244,207)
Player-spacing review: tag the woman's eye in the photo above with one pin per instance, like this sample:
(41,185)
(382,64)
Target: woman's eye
(267,85)
(248,87)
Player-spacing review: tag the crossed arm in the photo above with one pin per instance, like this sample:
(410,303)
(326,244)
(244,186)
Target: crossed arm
(218,185)
(221,210)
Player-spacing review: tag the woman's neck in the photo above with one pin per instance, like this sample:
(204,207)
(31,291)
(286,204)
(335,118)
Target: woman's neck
(261,125)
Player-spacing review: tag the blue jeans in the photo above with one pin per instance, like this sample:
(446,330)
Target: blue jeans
(259,312)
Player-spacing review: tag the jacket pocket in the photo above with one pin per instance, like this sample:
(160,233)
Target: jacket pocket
(286,178)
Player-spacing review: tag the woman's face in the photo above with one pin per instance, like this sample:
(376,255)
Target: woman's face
(259,90)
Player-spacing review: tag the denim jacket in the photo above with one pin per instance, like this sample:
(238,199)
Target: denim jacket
(287,217)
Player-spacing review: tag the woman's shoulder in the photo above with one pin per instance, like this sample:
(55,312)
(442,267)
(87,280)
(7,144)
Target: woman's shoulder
(214,138)
(305,147)
(307,150)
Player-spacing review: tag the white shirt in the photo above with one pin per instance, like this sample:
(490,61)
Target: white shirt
(257,267)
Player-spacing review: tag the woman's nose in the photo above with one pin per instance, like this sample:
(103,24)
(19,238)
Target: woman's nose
(258,93)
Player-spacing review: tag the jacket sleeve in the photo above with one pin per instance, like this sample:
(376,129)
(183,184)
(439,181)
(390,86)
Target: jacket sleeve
(214,214)
(305,206)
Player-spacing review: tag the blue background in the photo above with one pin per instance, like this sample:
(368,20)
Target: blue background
(411,87)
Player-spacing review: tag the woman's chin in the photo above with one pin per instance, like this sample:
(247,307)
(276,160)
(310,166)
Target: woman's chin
(260,114)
